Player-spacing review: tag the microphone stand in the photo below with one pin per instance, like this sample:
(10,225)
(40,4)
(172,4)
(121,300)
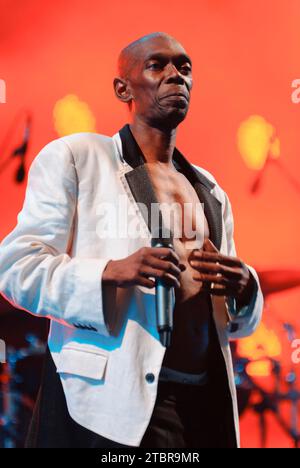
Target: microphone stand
(21,150)
(258,180)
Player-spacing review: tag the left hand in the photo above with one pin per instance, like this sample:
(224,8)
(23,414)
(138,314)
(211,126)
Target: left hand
(230,275)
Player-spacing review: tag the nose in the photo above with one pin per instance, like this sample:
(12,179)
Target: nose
(174,75)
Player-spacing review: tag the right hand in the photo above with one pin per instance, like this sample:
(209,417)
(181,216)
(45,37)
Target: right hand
(156,262)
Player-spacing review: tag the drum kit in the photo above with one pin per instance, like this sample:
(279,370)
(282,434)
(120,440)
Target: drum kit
(20,375)
(253,396)
(282,397)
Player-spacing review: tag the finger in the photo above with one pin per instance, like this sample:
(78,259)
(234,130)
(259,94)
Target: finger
(171,280)
(168,278)
(210,267)
(217,257)
(171,256)
(163,265)
(166,253)
(220,280)
(147,283)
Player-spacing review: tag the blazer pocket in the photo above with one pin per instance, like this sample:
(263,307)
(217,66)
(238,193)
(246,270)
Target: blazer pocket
(86,364)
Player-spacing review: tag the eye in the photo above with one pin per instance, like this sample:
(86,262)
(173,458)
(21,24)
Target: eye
(155,66)
(186,69)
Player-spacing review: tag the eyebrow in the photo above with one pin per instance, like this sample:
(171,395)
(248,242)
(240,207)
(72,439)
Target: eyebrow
(158,56)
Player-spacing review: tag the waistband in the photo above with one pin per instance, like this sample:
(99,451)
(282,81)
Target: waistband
(172,375)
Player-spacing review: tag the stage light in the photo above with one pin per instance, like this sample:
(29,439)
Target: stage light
(260,369)
(257,141)
(72,116)
(260,348)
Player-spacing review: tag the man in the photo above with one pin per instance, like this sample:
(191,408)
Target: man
(109,381)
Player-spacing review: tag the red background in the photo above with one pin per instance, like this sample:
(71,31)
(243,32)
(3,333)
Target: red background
(245,55)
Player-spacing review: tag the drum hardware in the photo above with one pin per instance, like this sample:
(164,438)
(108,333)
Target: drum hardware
(15,404)
(270,401)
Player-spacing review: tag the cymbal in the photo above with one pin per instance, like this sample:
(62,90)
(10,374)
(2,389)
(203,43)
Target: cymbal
(278,280)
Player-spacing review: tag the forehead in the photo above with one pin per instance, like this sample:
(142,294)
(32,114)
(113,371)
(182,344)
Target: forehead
(158,45)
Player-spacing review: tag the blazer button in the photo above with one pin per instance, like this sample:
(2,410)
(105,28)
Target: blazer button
(150,377)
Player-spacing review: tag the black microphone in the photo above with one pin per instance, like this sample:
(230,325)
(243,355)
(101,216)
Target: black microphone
(164,294)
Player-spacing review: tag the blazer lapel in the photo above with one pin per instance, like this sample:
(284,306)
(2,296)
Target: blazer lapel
(203,187)
(142,190)
(213,213)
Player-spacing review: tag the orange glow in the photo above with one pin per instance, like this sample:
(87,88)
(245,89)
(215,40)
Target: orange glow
(263,344)
(259,369)
(72,116)
(257,140)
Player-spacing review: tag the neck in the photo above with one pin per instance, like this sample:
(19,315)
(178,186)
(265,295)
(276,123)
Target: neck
(156,144)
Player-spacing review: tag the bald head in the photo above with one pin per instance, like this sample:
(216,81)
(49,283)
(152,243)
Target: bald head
(131,53)
(155,79)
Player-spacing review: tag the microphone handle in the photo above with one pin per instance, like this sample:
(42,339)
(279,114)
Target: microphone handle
(164,305)
(164,308)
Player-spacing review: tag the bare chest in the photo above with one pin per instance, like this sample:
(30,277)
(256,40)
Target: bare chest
(180,205)
(183,214)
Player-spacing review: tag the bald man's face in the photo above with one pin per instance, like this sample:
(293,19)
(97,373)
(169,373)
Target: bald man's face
(159,80)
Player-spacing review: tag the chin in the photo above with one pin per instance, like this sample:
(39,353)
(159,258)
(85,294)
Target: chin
(170,120)
(174,118)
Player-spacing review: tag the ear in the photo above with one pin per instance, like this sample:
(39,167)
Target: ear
(122,90)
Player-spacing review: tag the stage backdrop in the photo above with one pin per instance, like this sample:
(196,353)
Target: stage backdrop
(57,63)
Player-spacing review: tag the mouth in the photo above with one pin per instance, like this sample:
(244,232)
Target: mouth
(177,95)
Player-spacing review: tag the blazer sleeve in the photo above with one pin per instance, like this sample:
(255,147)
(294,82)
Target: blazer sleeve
(36,272)
(244,322)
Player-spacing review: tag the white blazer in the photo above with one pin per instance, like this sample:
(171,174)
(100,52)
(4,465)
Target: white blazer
(51,265)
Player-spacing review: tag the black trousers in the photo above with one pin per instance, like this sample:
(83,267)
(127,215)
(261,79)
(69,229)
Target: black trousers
(184,416)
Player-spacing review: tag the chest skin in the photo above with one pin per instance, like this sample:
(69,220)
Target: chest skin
(190,337)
